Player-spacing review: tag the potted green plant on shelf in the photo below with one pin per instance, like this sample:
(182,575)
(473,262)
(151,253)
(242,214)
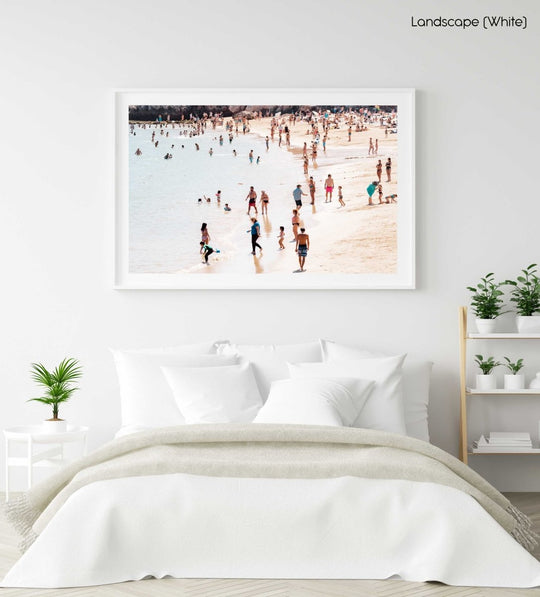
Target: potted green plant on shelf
(525,295)
(58,388)
(486,303)
(514,380)
(486,380)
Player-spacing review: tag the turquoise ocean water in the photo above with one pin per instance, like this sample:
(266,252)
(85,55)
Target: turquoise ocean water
(164,215)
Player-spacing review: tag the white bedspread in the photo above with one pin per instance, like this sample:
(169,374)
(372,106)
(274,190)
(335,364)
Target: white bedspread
(185,526)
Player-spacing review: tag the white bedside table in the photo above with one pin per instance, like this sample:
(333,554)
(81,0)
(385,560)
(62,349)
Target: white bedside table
(32,435)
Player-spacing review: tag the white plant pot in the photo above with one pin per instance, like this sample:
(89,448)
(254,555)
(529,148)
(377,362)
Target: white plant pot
(50,426)
(535,382)
(528,324)
(486,326)
(486,382)
(514,382)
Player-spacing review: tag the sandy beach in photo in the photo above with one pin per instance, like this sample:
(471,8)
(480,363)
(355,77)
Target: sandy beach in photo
(166,213)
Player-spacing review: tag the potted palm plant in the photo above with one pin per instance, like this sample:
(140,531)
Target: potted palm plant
(525,295)
(514,380)
(486,303)
(486,380)
(58,388)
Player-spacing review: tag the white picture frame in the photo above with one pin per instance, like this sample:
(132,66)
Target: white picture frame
(403,275)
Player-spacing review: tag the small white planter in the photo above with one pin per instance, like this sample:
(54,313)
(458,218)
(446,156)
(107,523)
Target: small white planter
(52,426)
(535,382)
(486,382)
(486,326)
(528,324)
(514,382)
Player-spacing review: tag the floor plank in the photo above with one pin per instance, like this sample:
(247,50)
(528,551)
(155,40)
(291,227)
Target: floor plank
(529,503)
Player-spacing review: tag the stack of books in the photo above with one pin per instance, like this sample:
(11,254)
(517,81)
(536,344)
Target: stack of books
(504,441)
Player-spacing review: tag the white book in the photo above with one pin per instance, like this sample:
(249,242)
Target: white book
(510,438)
(504,450)
(509,435)
(482,442)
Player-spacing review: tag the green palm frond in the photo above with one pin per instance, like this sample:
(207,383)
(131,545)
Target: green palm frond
(67,371)
(41,376)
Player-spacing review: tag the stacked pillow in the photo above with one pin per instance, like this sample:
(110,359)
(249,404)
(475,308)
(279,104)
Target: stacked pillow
(320,383)
(316,401)
(227,394)
(416,377)
(146,399)
(270,360)
(383,409)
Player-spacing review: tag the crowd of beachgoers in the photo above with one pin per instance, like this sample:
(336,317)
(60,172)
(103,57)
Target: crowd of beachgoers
(355,148)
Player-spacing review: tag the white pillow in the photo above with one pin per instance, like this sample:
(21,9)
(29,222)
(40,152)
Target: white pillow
(269,361)
(416,382)
(384,407)
(146,399)
(224,395)
(317,401)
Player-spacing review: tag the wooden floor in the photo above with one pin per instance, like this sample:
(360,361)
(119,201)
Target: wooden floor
(528,502)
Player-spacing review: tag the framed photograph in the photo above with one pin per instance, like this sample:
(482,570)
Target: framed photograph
(265,188)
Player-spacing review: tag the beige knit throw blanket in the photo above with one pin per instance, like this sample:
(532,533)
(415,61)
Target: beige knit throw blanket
(271,451)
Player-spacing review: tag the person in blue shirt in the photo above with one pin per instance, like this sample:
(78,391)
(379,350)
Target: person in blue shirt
(255,233)
(371,189)
(297,194)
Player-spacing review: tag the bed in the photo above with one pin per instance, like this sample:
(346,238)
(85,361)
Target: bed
(299,461)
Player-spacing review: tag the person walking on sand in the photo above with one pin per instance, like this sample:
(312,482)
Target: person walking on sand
(251,156)
(371,148)
(340,197)
(264,202)
(206,251)
(371,189)
(205,235)
(306,165)
(379,170)
(388,166)
(302,247)
(329,186)
(297,195)
(312,190)
(255,233)
(376,146)
(267,142)
(281,237)
(252,197)
(295,221)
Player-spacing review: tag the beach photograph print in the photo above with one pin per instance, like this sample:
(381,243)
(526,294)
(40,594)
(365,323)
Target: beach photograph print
(268,195)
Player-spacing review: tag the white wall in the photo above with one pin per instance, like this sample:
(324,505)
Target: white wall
(477,193)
